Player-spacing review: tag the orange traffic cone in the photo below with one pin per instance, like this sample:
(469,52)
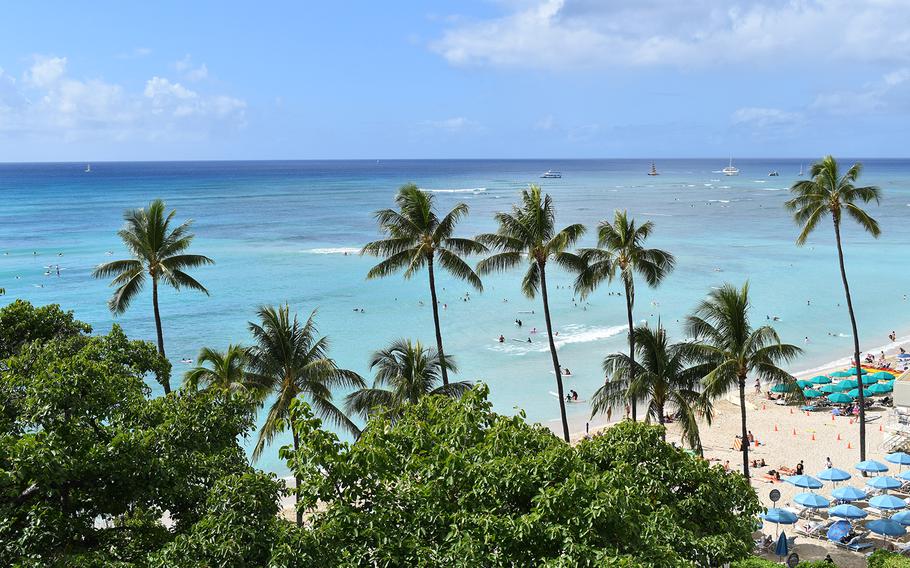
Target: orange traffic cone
(763,406)
(775,427)
(791,411)
(838,436)
(832,418)
(851,421)
(794,431)
(880,429)
(813,436)
(849,447)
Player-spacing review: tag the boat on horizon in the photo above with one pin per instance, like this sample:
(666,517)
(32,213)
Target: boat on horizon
(653,171)
(88,168)
(800,170)
(730,170)
(773,173)
(551,174)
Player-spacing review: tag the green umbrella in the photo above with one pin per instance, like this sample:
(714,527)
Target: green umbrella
(842,386)
(820,380)
(853,371)
(882,375)
(805,384)
(829,388)
(855,393)
(812,393)
(849,384)
(880,388)
(840,398)
(842,374)
(781,388)
(869,380)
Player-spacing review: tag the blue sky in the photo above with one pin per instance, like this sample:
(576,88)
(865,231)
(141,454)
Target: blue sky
(506,78)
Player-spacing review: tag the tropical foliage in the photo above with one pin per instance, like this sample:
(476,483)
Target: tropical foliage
(418,238)
(621,248)
(226,370)
(663,376)
(830,194)
(22,323)
(528,235)
(158,251)
(732,349)
(405,372)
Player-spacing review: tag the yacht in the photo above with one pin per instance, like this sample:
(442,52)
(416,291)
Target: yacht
(551,174)
(800,170)
(731,170)
(653,171)
(88,168)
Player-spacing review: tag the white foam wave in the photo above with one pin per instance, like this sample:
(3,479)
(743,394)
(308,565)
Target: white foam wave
(719,201)
(574,333)
(769,188)
(457,190)
(889,349)
(332,250)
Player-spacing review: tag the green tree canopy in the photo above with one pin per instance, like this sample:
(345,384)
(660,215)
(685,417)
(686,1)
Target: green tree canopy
(21,323)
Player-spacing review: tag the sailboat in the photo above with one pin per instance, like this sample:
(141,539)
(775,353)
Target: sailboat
(731,170)
(800,169)
(88,168)
(653,171)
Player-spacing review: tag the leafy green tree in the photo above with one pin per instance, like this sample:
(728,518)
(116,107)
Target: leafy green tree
(291,360)
(405,373)
(727,342)
(478,489)
(662,375)
(227,370)
(22,323)
(417,237)
(621,247)
(829,194)
(159,252)
(528,234)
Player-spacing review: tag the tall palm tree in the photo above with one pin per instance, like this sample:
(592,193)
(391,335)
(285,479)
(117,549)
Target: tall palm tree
(291,360)
(727,342)
(621,248)
(664,375)
(405,373)
(828,193)
(226,370)
(528,234)
(417,237)
(158,251)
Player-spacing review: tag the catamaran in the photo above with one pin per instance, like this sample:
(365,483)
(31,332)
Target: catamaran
(551,174)
(731,170)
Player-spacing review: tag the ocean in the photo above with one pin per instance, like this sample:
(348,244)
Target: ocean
(289,231)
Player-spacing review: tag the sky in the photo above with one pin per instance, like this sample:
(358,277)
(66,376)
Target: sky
(462,79)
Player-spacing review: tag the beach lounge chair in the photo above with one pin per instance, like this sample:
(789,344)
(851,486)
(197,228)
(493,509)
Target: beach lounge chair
(817,529)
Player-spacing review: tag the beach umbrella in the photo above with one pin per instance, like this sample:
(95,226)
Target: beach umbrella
(841,374)
(882,375)
(848,384)
(869,380)
(781,549)
(838,530)
(806,481)
(782,388)
(903,517)
(812,500)
(901,458)
(855,393)
(848,493)
(779,517)
(851,372)
(884,482)
(804,384)
(846,512)
(886,527)
(871,466)
(840,398)
(904,356)
(887,502)
(904,475)
(812,393)
(833,474)
(820,380)
(881,388)
(828,389)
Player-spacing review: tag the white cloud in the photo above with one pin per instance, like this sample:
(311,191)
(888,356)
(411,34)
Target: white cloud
(759,117)
(45,71)
(186,67)
(891,92)
(696,33)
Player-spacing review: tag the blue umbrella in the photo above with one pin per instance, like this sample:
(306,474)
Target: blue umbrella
(840,387)
(829,388)
(881,388)
(838,530)
(846,512)
(833,474)
(871,466)
(820,380)
(905,475)
(861,371)
(902,517)
(841,374)
(781,549)
(812,393)
(889,502)
(848,493)
(782,516)
(849,384)
(812,500)
(806,481)
(855,393)
(886,527)
(805,384)
(869,380)
(882,375)
(884,482)
(840,398)
(901,458)
(783,387)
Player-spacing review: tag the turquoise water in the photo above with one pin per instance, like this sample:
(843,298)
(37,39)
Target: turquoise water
(278,231)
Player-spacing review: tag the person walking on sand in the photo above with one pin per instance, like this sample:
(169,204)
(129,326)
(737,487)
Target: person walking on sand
(757,386)
(828,463)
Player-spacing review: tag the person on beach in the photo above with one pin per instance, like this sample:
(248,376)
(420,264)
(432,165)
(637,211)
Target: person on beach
(750,437)
(828,463)
(757,386)
(727,465)
(799,468)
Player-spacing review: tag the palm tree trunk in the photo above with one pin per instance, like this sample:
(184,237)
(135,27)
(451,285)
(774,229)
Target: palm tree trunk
(629,300)
(442,357)
(660,420)
(297,485)
(556,367)
(856,353)
(165,381)
(745,432)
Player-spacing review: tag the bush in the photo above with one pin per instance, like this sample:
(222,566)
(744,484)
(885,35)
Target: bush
(885,559)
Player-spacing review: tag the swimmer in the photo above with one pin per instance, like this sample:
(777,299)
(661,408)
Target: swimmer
(529,340)
(502,339)
(566,372)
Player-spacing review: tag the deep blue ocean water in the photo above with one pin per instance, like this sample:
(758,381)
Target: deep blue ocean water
(279,230)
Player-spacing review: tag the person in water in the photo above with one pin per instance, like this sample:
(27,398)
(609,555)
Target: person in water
(566,372)
(502,339)
(574,395)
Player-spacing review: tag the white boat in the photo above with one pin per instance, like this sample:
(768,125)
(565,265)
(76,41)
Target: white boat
(653,171)
(800,169)
(773,173)
(551,174)
(730,170)
(88,168)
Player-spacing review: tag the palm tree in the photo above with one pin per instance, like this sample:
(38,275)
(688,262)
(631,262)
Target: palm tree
(290,360)
(405,373)
(418,238)
(158,251)
(829,193)
(663,374)
(528,234)
(621,247)
(727,342)
(227,370)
